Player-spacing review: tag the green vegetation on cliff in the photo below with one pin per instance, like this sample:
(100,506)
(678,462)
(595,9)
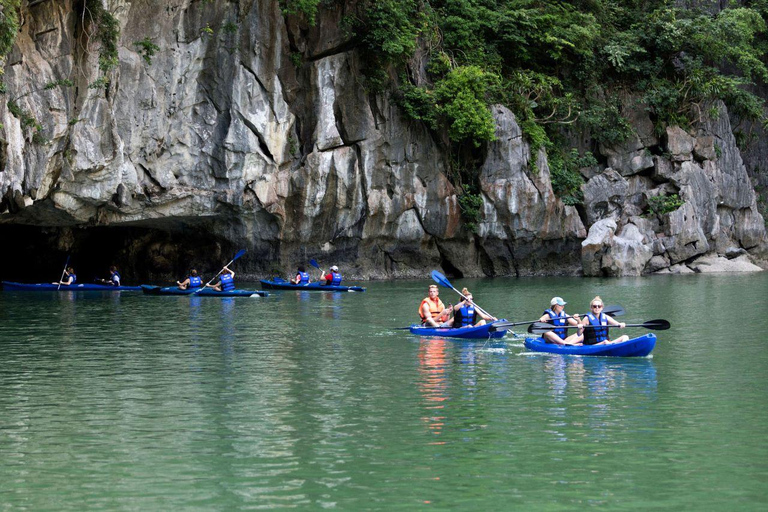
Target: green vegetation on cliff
(557,65)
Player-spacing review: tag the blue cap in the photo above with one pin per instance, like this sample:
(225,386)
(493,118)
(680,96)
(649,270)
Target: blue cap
(557,300)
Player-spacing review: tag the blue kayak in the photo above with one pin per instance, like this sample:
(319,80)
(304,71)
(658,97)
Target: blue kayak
(636,347)
(205,292)
(281,284)
(481,332)
(48,287)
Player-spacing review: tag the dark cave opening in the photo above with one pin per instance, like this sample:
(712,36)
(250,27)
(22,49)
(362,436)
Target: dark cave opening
(142,254)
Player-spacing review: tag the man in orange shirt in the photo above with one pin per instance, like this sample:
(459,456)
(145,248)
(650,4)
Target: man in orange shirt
(432,311)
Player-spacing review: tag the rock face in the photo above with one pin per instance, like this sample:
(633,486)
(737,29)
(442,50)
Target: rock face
(696,199)
(250,129)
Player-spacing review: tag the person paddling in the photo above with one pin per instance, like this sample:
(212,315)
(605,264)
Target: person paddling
(226,281)
(68,279)
(192,281)
(432,310)
(596,334)
(465,313)
(333,277)
(302,276)
(114,277)
(556,315)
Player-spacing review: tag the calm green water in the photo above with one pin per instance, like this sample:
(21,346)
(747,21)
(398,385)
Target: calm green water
(308,401)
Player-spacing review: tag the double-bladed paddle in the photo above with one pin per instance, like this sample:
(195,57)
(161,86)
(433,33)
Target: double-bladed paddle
(542,327)
(239,253)
(608,310)
(441,279)
(63,272)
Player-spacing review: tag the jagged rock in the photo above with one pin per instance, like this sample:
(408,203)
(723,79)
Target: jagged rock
(680,268)
(712,263)
(704,148)
(522,208)
(679,143)
(658,263)
(598,241)
(662,169)
(632,155)
(684,236)
(604,195)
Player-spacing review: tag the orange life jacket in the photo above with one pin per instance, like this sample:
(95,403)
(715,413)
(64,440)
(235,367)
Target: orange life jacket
(435,308)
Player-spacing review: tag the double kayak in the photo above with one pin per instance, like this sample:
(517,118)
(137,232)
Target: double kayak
(48,287)
(205,292)
(480,332)
(636,347)
(281,284)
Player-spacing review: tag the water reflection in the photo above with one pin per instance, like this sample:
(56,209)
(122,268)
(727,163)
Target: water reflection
(433,382)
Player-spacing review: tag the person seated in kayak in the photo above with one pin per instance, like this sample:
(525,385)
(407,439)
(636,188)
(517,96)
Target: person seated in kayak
(596,318)
(556,315)
(302,276)
(192,281)
(432,311)
(114,277)
(226,281)
(69,278)
(333,277)
(465,313)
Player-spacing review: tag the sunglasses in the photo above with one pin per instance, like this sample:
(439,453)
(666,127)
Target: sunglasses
(597,306)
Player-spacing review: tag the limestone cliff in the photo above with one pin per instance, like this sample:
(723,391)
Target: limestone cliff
(249,129)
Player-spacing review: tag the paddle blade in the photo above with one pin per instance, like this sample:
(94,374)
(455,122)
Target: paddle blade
(440,279)
(239,253)
(614,310)
(658,325)
(314,264)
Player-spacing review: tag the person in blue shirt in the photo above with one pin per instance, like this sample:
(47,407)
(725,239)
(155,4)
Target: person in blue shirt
(69,278)
(114,277)
(302,276)
(192,281)
(595,332)
(465,314)
(226,281)
(556,315)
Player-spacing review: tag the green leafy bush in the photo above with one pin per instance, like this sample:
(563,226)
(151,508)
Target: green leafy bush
(471,206)
(659,205)
(147,48)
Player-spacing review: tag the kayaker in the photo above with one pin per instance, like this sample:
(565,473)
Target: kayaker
(226,281)
(597,318)
(192,281)
(302,276)
(556,315)
(432,310)
(333,277)
(69,278)
(114,277)
(465,313)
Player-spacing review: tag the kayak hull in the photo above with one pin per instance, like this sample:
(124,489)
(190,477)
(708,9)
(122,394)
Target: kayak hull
(481,332)
(85,287)
(205,292)
(310,287)
(636,347)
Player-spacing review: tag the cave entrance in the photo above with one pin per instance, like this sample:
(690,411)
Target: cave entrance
(143,254)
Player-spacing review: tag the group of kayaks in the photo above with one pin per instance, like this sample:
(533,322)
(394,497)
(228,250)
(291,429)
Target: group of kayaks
(274,284)
(635,347)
